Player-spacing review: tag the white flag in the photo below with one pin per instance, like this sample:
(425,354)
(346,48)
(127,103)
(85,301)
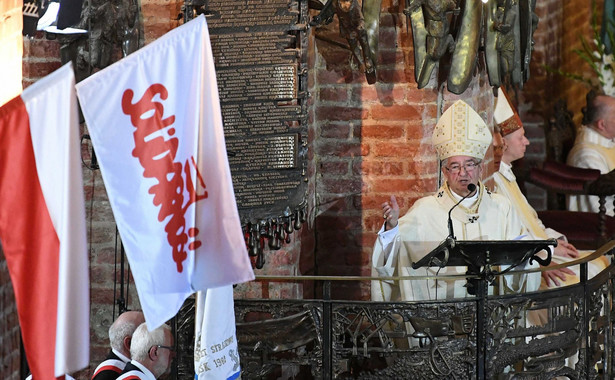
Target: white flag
(215,352)
(156,127)
(42,223)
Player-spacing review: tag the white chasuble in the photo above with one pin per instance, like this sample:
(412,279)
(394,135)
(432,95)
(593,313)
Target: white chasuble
(424,227)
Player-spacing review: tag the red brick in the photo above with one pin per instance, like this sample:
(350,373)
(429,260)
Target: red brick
(335,130)
(105,255)
(338,149)
(378,93)
(388,18)
(382,131)
(391,185)
(153,31)
(331,76)
(102,274)
(332,94)
(373,222)
(334,184)
(389,57)
(423,166)
(334,167)
(39,48)
(281,258)
(153,13)
(396,112)
(37,70)
(395,76)
(398,150)
(102,234)
(339,113)
(416,129)
(373,202)
(102,295)
(380,168)
(388,37)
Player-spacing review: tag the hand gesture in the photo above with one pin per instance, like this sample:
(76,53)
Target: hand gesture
(390,213)
(565,249)
(554,276)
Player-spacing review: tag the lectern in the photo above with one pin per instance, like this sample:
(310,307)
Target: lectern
(485,259)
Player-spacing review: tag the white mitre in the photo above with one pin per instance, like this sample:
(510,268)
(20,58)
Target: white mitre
(461,132)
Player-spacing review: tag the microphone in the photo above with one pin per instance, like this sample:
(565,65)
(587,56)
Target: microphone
(471,188)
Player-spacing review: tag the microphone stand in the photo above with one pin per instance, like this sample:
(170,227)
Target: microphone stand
(448,243)
(471,188)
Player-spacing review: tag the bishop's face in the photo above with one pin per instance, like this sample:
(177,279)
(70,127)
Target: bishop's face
(460,171)
(516,144)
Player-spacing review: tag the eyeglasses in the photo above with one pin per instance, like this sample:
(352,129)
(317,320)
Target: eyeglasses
(468,166)
(171,349)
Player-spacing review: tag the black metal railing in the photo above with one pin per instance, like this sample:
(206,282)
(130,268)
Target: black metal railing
(564,332)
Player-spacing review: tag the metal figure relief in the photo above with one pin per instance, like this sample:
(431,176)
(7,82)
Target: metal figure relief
(465,54)
(529,23)
(111,24)
(507,41)
(352,28)
(432,37)
(456,30)
(359,24)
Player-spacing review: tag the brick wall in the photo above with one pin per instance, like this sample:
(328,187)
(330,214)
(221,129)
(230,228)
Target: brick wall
(372,141)
(366,143)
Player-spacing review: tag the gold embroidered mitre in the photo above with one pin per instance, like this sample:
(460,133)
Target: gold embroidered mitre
(461,132)
(505,116)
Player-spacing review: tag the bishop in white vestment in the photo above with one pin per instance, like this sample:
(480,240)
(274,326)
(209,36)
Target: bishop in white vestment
(461,139)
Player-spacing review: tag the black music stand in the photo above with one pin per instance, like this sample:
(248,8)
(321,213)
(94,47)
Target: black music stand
(482,257)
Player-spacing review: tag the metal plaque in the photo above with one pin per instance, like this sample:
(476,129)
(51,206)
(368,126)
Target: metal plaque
(259,49)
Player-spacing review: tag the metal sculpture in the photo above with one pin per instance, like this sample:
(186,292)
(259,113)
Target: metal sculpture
(359,25)
(456,30)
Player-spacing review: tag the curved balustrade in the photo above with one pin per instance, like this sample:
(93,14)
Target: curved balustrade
(564,332)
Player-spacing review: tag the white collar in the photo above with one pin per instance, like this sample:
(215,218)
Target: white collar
(147,372)
(594,137)
(507,172)
(469,201)
(124,358)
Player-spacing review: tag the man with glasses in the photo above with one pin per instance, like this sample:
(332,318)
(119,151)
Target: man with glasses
(120,336)
(514,145)
(152,353)
(461,139)
(594,148)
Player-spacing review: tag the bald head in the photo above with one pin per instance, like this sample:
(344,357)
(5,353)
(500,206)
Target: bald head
(600,115)
(120,332)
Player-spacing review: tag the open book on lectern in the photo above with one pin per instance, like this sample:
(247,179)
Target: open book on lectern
(479,253)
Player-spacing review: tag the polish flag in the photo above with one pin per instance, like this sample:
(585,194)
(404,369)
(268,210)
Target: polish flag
(42,224)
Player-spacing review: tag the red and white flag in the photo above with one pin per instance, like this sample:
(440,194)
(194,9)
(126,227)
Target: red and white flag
(155,122)
(42,224)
